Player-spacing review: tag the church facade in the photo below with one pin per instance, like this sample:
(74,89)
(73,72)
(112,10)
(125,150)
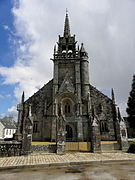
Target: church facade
(70,96)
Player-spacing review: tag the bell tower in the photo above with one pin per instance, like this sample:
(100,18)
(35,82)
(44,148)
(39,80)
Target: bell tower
(70,76)
(68,58)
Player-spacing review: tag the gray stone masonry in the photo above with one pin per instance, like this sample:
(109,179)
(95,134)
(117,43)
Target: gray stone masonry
(96,138)
(69,95)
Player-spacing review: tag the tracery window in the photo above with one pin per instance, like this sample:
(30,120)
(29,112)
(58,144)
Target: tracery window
(67,108)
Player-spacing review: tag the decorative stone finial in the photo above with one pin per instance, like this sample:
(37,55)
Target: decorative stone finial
(55,49)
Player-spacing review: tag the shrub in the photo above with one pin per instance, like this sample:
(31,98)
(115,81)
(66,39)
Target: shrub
(132,147)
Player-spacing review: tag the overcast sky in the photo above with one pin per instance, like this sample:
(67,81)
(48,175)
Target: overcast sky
(30,29)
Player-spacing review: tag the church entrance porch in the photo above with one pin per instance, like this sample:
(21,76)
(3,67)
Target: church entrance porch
(72,143)
(71,132)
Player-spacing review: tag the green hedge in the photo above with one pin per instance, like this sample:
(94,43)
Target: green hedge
(132,147)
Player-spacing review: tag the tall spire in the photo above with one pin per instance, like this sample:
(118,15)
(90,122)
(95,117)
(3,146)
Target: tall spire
(22,101)
(119,115)
(113,97)
(66,26)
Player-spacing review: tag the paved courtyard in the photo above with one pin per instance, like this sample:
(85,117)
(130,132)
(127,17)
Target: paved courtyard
(50,159)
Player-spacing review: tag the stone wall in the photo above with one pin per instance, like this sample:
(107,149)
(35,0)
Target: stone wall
(63,69)
(44,148)
(110,147)
(41,105)
(41,110)
(103,108)
(10,148)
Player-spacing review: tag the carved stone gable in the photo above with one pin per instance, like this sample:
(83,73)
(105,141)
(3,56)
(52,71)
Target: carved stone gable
(67,85)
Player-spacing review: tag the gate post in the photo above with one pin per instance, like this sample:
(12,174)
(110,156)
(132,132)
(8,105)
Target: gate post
(96,138)
(27,133)
(121,131)
(124,138)
(60,135)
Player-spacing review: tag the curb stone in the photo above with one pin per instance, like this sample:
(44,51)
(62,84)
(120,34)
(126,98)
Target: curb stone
(62,164)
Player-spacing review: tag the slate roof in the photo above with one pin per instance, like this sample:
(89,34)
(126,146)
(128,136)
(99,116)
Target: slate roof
(46,91)
(94,91)
(8,123)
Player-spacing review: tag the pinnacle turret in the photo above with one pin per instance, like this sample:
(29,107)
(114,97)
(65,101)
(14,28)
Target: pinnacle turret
(113,97)
(82,50)
(22,100)
(119,115)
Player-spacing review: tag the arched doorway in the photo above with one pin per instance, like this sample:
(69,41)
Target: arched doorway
(69,133)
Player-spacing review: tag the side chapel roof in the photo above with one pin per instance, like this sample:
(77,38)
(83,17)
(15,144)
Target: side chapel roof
(8,123)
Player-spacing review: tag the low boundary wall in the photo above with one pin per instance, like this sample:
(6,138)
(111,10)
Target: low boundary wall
(10,148)
(51,148)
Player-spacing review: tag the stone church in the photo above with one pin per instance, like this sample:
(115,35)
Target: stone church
(70,95)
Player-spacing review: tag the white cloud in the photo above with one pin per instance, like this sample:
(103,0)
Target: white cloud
(4,96)
(6,27)
(12,112)
(106,28)
(2,115)
(94,6)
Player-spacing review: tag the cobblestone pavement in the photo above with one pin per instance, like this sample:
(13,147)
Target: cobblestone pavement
(66,159)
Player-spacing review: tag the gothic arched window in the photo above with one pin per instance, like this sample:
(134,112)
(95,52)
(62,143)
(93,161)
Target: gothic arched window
(67,108)
(103,126)
(100,108)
